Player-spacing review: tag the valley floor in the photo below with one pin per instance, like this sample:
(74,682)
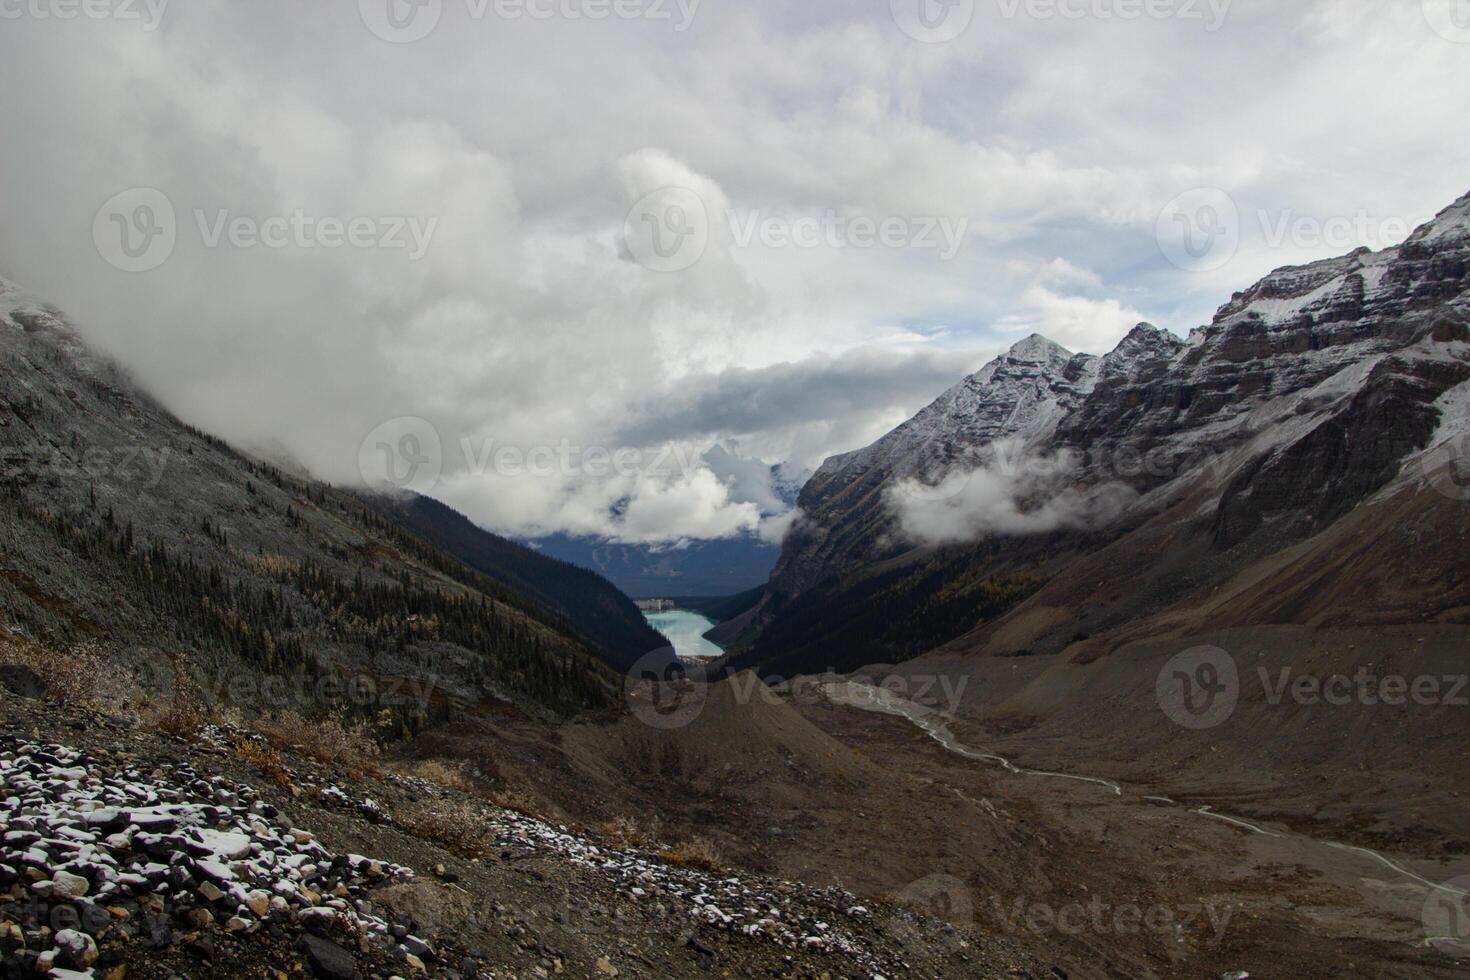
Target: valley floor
(1094,882)
(1126,885)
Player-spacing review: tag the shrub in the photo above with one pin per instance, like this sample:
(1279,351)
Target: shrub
(459,825)
(184,715)
(79,676)
(697,854)
(264,758)
(630,832)
(443,773)
(326,740)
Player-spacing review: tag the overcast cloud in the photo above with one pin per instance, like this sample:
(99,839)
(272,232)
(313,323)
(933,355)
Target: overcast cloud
(869,215)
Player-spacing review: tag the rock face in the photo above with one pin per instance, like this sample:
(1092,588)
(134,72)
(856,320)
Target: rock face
(1306,394)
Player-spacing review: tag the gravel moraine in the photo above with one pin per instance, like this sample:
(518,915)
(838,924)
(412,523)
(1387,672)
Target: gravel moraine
(87,853)
(155,857)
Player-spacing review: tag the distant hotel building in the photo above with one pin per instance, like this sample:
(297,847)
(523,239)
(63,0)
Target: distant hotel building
(655,605)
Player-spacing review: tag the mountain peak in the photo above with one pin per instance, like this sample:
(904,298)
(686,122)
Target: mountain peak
(1147,337)
(1145,344)
(1453,221)
(1038,348)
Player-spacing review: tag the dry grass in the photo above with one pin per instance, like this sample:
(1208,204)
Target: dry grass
(697,854)
(80,676)
(326,740)
(518,802)
(446,774)
(459,825)
(630,832)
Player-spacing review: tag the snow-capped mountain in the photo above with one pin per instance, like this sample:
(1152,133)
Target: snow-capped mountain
(1310,392)
(1022,393)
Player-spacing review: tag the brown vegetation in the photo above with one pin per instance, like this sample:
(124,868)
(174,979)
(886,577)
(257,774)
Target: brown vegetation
(326,740)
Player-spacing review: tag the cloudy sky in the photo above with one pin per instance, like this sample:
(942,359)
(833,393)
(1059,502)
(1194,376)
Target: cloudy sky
(497,245)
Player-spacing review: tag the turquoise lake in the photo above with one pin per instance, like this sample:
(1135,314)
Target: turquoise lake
(685,631)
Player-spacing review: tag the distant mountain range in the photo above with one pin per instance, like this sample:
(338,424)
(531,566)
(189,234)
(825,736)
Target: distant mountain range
(696,568)
(1055,499)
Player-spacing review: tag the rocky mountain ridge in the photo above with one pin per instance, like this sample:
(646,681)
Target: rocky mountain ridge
(1307,393)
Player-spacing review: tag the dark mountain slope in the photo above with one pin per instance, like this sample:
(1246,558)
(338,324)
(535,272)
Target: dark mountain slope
(606,619)
(123,528)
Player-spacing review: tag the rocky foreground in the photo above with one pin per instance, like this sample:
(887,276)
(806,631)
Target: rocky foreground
(130,853)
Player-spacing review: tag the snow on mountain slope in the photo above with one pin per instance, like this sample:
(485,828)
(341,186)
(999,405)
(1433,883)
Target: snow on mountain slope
(1021,394)
(1306,395)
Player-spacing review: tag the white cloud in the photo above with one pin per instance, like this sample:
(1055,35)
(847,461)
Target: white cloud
(526,322)
(1008,492)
